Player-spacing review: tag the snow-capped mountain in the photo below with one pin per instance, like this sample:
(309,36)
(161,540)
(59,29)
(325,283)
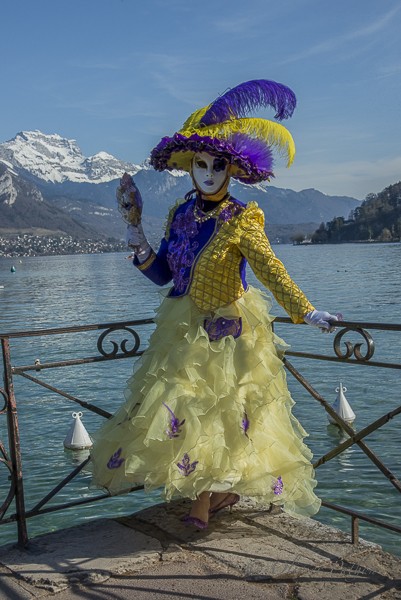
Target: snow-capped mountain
(23,209)
(54,159)
(8,190)
(84,189)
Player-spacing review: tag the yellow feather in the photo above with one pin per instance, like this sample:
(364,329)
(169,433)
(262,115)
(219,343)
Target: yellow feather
(272,133)
(193,120)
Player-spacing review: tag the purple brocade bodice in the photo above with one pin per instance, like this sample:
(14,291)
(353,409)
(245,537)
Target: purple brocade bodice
(181,249)
(188,238)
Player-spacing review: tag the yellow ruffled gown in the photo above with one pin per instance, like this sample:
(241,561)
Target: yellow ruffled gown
(208,414)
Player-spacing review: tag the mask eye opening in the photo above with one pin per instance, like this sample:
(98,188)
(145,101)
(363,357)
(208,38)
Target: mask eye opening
(220,164)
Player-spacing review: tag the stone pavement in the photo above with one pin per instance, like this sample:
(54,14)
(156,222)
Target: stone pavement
(151,555)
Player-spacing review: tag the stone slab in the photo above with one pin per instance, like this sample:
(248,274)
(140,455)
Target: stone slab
(188,575)
(269,547)
(14,588)
(90,552)
(259,553)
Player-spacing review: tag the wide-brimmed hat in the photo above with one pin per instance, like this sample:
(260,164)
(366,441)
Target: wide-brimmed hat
(222,129)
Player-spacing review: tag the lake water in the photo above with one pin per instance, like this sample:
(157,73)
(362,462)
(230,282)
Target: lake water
(360,280)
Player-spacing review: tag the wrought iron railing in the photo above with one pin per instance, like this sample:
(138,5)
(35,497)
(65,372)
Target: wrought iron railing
(130,346)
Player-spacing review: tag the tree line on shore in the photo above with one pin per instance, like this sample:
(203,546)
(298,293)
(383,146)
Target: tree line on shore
(377,219)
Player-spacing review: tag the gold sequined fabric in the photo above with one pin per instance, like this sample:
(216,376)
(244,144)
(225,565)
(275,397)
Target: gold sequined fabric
(216,279)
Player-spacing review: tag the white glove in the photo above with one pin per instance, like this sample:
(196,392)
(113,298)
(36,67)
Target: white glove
(321,318)
(137,241)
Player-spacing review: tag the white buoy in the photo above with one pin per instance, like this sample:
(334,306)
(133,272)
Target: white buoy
(77,438)
(342,407)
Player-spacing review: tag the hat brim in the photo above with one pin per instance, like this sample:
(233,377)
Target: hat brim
(178,151)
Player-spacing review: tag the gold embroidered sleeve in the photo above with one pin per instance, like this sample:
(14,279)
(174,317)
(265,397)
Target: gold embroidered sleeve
(255,246)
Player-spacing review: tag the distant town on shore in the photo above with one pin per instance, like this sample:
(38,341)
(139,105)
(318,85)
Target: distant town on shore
(24,245)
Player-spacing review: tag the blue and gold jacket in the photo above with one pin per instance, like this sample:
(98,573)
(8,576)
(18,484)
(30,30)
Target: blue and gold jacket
(206,259)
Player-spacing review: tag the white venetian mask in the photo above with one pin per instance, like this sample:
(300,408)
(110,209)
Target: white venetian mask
(210,173)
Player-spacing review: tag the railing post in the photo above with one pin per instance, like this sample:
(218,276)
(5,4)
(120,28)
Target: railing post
(14,445)
(355,530)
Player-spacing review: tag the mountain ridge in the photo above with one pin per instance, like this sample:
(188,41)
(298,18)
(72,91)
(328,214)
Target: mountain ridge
(84,188)
(54,159)
(23,208)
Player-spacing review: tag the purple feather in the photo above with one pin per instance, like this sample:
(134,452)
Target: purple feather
(249,96)
(256,151)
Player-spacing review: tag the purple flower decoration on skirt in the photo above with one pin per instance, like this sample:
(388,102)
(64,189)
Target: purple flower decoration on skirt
(278,486)
(187,467)
(245,423)
(174,426)
(115,461)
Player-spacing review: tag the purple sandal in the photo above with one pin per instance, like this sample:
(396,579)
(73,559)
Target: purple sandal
(198,523)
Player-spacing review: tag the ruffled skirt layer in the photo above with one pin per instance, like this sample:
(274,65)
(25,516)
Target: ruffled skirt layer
(205,415)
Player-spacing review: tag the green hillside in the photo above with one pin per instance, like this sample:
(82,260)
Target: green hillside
(377,219)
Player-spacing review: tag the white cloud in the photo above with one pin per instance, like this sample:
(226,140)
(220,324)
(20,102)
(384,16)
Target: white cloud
(390,70)
(375,26)
(337,43)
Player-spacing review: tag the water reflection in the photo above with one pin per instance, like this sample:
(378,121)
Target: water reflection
(76,458)
(338,436)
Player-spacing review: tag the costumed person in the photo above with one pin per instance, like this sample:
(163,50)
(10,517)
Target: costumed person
(208,414)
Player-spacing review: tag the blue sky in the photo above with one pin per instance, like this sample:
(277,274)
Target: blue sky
(117,75)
